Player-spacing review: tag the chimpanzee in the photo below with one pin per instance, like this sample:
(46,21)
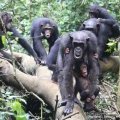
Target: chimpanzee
(43,28)
(6,25)
(103,33)
(74,48)
(96,11)
(84,87)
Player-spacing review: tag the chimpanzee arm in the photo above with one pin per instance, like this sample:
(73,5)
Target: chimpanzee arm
(23,42)
(65,77)
(108,21)
(114,25)
(38,47)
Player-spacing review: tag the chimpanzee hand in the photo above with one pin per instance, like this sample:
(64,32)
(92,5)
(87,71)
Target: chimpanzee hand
(62,103)
(37,60)
(101,20)
(69,107)
(90,106)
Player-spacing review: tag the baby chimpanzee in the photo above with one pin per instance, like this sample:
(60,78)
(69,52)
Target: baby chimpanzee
(85,87)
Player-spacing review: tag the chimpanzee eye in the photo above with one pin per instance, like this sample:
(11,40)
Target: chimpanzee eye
(79,45)
(90,29)
(82,45)
(41,25)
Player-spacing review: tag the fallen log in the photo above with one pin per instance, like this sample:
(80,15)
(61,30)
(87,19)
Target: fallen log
(41,86)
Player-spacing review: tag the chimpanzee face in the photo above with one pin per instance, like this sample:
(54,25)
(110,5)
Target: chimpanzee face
(94,11)
(79,43)
(83,70)
(6,19)
(78,49)
(47,30)
(92,24)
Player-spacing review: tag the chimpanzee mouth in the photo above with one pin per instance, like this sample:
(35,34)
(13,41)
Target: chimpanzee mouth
(47,36)
(77,55)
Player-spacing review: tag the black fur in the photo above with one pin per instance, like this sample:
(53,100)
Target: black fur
(68,63)
(37,34)
(6,25)
(96,11)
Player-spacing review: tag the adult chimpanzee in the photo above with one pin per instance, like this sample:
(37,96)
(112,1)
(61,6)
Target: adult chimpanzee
(83,86)
(6,25)
(96,11)
(74,48)
(103,32)
(43,28)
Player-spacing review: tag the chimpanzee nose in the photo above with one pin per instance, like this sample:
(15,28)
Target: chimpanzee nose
(78,53)
(47,35)
(78,49)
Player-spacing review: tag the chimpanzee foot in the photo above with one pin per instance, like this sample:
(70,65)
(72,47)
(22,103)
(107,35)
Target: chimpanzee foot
(62,103)
(88,106)
(69,107)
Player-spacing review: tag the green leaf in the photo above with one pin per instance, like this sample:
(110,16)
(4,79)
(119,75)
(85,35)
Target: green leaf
(18,108)
(4,41)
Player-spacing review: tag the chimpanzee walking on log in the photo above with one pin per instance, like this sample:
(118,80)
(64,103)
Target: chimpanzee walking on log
(6,25)
(74,48)
(43,28)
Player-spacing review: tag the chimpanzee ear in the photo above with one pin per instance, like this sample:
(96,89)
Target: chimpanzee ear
(87,39)
(84,24)
(98,11)
(53,26)
(41,25)
(71,37)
